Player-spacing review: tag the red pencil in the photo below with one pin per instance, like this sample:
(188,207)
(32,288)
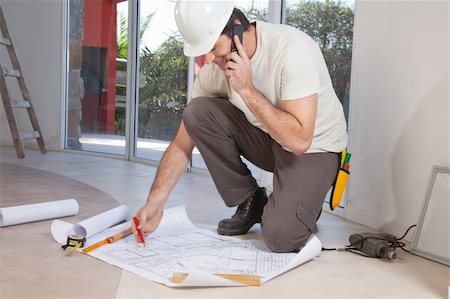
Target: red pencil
(139,232)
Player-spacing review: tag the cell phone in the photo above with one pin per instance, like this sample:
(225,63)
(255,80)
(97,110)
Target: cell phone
(238,30)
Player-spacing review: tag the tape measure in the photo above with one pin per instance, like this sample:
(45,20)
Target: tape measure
(74,241)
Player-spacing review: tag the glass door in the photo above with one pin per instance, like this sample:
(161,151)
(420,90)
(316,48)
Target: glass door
(163,79)
(96,76)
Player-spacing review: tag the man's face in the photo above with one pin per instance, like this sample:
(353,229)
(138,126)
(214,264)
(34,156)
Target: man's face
(217,55)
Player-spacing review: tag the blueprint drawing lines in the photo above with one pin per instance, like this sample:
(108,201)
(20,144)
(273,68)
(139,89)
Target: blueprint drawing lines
(188,249)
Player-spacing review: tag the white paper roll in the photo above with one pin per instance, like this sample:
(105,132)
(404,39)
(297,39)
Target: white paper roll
(38,211)
(91,226)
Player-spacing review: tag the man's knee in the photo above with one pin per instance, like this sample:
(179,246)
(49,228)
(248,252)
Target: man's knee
(285,240)
(196,108)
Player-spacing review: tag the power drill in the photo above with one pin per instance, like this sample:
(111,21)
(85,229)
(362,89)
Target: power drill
(374,245)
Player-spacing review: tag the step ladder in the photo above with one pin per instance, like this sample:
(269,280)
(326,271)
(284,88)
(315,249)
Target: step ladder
(23,103)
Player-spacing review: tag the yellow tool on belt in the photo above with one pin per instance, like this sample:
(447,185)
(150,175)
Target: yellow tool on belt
(341,180)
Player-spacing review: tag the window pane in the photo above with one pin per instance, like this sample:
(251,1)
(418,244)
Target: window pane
(163,71)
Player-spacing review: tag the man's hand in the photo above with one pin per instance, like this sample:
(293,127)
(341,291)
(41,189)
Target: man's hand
(238,69)
(149,218)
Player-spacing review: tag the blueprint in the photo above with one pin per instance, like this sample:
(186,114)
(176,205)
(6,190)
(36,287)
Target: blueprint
(179,246)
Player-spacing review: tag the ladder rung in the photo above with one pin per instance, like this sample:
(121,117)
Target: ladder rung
(12,73)
(5,41)
(29,135)
(20,104)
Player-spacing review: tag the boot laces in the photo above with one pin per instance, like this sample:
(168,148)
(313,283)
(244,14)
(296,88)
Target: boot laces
(244,207)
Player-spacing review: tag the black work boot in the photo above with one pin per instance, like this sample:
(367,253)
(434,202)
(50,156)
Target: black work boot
(248,213)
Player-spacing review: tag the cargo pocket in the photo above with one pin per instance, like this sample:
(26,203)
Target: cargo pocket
(306,215)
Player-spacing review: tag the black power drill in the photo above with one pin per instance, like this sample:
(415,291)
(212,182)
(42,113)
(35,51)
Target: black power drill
(374,245)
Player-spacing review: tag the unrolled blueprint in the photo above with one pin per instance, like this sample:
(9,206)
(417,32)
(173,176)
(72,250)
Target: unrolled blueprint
(179,246)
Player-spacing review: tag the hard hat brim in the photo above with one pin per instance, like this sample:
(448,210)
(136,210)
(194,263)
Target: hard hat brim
(202,48)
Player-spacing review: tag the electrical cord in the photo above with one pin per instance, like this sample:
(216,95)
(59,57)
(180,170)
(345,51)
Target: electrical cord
(407,231)
(402,244)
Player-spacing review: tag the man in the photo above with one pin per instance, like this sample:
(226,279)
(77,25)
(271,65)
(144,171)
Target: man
(271,102)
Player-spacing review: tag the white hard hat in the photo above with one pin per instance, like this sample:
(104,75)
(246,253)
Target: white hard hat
(201,23)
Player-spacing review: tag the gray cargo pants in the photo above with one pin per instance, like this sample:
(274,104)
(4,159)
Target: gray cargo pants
(300,183)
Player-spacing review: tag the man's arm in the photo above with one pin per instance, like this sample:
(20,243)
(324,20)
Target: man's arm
(173,164)
(293,125)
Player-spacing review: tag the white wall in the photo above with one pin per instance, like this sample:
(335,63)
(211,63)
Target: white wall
(399,109)
(36,31)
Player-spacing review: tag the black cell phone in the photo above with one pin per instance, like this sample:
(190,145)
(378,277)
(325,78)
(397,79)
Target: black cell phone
(238,30)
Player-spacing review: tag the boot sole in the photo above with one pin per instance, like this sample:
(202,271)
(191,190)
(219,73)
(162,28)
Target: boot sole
(226,232)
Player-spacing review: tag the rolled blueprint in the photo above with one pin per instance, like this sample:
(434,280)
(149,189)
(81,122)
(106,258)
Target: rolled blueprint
(91,226)
(38,211)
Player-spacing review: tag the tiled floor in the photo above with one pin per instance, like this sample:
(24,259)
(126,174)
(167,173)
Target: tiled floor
(332,275)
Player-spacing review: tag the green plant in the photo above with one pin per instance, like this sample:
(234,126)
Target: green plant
(163,97)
